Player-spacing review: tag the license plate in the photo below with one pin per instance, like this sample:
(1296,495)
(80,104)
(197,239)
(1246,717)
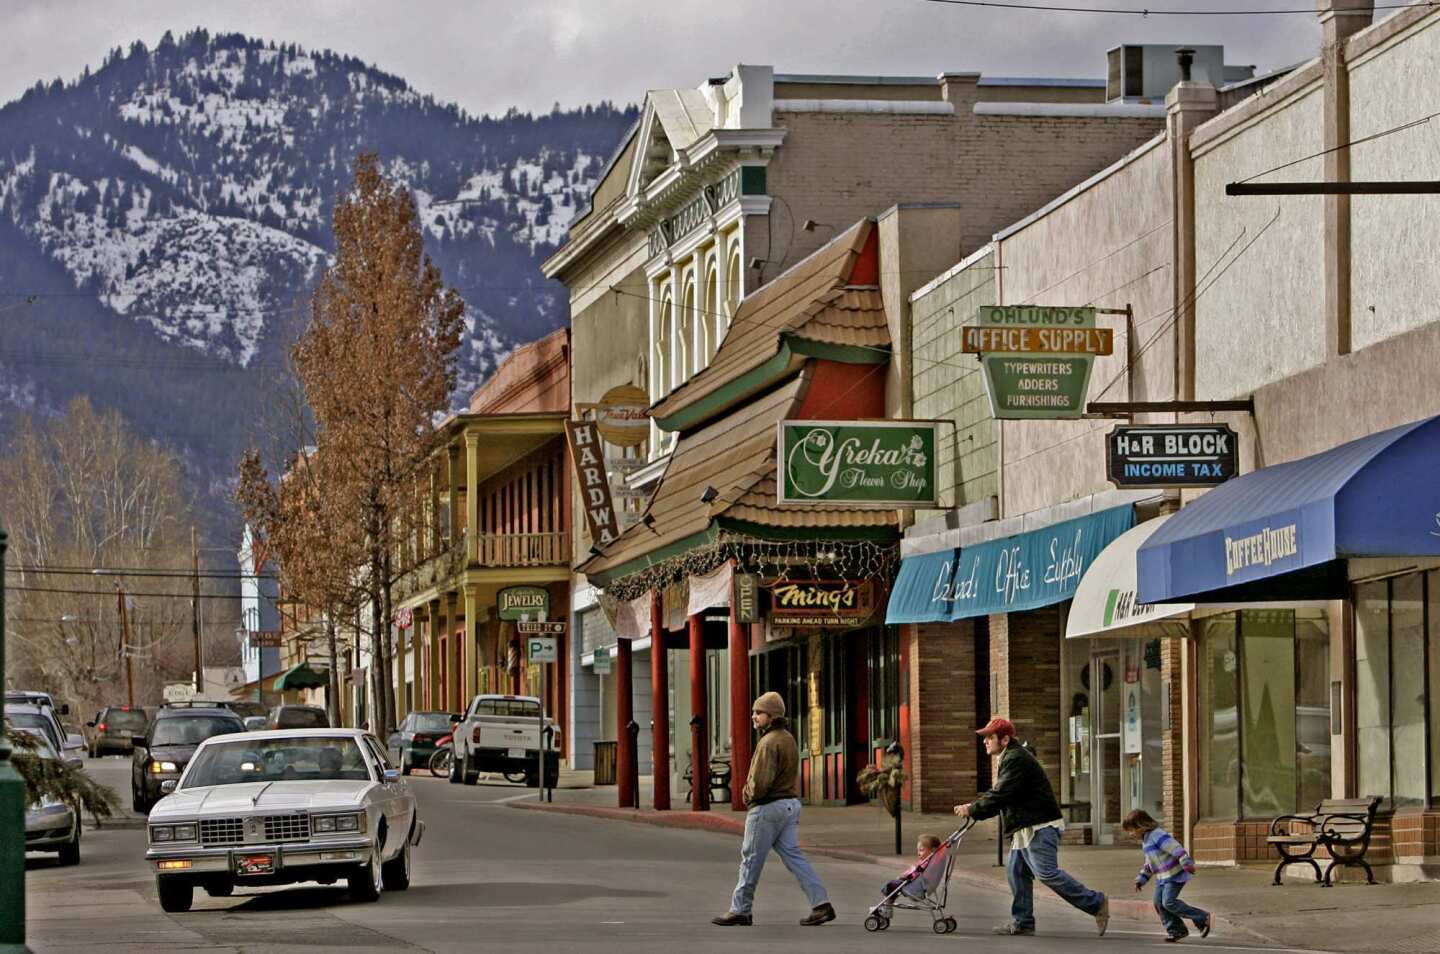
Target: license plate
(517,753)
(255,864)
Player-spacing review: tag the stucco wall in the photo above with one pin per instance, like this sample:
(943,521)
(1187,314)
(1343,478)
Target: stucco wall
(1394,239)
(1262,319)
(948,385)
(1108,246)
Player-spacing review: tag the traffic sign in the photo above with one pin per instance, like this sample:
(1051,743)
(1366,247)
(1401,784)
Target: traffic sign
(542,627)
(1037,359)
(1171,455)
(602,661)
(540,649)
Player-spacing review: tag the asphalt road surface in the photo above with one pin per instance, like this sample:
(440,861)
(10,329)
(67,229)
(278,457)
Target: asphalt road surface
(490,877)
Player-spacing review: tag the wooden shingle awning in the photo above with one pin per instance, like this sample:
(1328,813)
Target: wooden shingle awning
(736,456)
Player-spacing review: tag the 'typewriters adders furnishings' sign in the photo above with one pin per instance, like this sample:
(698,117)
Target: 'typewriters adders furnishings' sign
(864,464)
(821,602)
(1037,359)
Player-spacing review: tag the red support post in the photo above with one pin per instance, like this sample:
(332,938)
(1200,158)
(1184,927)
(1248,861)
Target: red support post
(699,732)
(624,715)
(739,709)
(659,705)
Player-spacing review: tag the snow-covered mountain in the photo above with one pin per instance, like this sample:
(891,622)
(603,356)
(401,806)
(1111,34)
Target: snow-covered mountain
(163,218)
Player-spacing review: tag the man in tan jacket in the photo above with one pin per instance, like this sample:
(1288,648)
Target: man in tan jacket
(772,793)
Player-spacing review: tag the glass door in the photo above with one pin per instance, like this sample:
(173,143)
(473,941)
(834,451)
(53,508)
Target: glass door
(1102,680)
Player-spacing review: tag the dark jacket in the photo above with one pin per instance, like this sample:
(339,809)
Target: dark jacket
(774,768)
(1021,796)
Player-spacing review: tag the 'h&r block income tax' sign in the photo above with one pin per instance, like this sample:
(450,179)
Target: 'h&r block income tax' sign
(1037,359)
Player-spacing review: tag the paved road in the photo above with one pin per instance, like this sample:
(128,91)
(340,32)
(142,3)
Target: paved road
(489,877)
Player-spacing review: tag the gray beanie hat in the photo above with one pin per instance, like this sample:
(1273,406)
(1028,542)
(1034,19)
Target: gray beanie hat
(771,704)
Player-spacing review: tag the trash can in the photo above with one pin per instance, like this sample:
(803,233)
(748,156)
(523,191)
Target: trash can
(606,756)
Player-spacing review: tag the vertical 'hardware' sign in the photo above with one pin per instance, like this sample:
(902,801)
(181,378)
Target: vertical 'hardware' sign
(588,457)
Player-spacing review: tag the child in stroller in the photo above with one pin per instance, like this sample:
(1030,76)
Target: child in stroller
(923,887)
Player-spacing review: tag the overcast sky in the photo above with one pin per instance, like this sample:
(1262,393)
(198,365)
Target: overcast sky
(488,55)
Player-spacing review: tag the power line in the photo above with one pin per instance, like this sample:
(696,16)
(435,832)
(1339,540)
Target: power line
(111,593)
(131,571)
(1146,12)
(1346,145)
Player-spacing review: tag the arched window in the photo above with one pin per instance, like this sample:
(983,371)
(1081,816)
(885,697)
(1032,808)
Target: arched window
(693,295)
(714,316)
(685,333)
(733,281)
(664,338)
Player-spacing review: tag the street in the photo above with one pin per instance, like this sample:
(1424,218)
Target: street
(489,877)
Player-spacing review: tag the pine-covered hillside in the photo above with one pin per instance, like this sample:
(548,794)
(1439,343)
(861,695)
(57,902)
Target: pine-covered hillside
(163,217)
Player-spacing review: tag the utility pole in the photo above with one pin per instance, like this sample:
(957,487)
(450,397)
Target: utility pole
(195,611)
(125,645)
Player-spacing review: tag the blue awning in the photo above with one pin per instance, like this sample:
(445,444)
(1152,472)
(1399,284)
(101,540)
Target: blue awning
(921,593)
(1035,569)
(1276,533)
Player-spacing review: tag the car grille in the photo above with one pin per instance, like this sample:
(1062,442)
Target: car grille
(287,827)
(222,831)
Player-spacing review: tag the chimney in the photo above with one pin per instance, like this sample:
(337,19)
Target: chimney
(1184,56)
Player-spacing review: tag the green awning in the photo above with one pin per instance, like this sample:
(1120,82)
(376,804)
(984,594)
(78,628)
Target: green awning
(301,677)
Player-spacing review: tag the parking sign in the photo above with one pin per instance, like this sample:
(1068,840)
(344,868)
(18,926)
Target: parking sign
(540,649)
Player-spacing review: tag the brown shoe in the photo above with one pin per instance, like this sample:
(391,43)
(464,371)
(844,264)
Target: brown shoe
(731,919)
(819,916)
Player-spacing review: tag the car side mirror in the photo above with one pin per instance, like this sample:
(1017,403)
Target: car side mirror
(64,709)
(168,786)
(138,741)
(392,775)
(456,718)
(75,762)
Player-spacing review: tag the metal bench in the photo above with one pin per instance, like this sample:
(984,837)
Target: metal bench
(1342,826)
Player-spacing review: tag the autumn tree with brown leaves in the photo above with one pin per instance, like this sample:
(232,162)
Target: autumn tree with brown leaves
(377,364)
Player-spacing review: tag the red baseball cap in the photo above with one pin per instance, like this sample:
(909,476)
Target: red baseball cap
(998,726)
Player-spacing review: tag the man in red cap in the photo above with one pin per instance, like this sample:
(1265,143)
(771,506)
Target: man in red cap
(1030,815)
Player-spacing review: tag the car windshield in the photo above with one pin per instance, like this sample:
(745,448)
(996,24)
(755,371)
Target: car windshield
(508,707)
(277,760)
(34,724)
(432,722)
(302,719)
(122,719)
(192,730)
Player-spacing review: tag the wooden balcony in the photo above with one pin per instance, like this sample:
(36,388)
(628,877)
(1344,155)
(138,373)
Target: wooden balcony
(523,549)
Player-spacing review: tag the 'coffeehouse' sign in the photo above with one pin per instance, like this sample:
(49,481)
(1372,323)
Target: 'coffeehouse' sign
(821,602)
(864,464)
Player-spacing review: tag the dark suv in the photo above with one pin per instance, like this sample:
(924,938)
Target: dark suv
(297,717)
(165,749)
(115,728)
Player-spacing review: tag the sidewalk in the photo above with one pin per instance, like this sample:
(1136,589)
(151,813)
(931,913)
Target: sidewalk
(1389,918)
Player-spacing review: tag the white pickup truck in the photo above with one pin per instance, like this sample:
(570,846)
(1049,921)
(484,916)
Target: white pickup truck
(502,734)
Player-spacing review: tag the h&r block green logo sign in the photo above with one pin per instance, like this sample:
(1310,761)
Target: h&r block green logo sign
(868,464)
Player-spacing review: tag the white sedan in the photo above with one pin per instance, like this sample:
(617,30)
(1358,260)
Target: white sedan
(267,808)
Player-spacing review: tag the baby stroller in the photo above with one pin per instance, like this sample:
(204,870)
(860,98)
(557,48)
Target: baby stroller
(934,900)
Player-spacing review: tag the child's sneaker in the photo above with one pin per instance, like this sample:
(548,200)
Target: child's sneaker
(1172,938)
(1205,927)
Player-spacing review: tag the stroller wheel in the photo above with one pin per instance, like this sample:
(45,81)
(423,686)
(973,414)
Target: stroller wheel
(950,925)
(884,924)
(872,924)
(940,926)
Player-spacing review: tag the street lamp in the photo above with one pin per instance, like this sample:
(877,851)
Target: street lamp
(12,818)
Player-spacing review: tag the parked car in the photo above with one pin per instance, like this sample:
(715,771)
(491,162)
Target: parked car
(255,723)
(297,717)
(53,824)
(413,743)
(165,749)
(284,807)
(114,728)
(502,734)
(42,721)
(246,708)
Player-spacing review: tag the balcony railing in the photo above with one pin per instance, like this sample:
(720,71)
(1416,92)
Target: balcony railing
(523,549)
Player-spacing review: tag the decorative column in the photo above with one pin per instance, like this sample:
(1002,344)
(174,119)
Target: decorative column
(739,708)
(467,643)
(699,733)
(624,715)
(453,479)
(435,694)
(401,677)
(659,705)
(472,498)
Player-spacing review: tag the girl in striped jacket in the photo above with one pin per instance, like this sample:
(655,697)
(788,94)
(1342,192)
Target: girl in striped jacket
(1167,861)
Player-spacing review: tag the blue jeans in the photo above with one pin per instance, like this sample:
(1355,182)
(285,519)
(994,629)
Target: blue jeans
(1172,910)
(1039,861)
(774,826)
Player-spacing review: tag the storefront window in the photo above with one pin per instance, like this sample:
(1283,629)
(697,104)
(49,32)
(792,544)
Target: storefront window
(1397,667)
(883,650)
(1220,718)
(1265,716)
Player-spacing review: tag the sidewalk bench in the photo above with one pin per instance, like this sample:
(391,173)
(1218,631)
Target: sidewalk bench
(1342,826)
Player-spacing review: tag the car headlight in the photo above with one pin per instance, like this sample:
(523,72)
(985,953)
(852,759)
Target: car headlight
(325,823)
(185,832)
(159,833)
(158,767)
(347,822)
(354,821)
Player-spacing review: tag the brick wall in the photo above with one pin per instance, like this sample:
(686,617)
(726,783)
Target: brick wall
(1025,668)
(1172,755)
(942,714)
(1415,835)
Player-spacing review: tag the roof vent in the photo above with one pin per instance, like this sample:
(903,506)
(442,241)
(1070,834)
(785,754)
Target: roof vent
(1146,73)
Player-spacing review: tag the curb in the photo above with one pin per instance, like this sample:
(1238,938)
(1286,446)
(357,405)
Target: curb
(1120,908)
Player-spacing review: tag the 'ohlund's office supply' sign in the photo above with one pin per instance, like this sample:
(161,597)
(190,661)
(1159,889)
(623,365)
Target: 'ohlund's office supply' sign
(879,464)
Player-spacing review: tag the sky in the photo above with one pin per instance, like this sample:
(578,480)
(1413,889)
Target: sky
(489,55)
